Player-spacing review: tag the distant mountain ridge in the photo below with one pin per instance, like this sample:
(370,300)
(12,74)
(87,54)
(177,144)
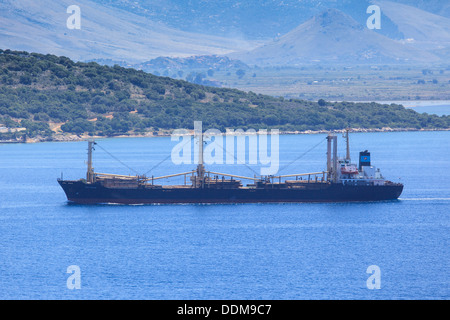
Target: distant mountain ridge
(423,29)
(260,19)
(334,37)
(106,33)
(194,69)
(133,32)
(213,62)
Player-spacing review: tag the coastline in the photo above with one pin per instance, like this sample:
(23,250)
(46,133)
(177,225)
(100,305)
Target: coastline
(75,138)
(58,136)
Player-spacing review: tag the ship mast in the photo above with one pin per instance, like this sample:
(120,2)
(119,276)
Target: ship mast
(332,158)
(90,169)
(200,167)
(346,136)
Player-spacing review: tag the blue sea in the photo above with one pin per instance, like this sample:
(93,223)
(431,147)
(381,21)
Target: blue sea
(242,251)
(437,109)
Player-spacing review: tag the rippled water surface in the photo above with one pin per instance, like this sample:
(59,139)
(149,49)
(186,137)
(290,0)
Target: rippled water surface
(248,251)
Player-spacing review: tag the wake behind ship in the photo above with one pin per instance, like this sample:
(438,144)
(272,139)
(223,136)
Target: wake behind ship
(343,181)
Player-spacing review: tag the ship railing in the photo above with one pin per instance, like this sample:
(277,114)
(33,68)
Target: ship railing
(208,173)
(152,179)
(309,175)
(120,176)
(232,175)
(144,178)
(169,176)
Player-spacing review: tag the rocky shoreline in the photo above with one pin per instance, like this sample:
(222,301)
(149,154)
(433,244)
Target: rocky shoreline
(74,138)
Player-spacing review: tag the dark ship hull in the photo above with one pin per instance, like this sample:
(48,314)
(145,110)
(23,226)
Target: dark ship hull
(84,193)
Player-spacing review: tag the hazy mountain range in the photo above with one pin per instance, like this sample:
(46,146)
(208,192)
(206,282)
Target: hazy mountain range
(419,27)
(106,32)
(212,62)
(261,19)
(265,32)
(335,37)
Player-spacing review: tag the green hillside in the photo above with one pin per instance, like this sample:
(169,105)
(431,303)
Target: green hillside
(47,94)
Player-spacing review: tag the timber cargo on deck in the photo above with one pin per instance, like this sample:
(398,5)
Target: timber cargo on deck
(343,181)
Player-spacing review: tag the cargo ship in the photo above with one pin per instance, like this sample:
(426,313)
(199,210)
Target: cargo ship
(342,181)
